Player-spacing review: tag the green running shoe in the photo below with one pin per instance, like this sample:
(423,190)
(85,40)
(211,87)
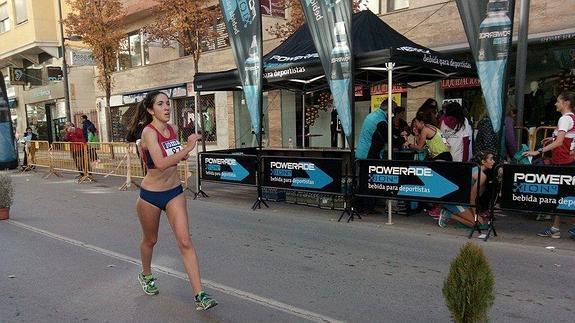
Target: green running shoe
(204,301)
(148,283)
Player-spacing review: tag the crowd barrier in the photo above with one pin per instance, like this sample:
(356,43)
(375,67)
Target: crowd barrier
(90,159)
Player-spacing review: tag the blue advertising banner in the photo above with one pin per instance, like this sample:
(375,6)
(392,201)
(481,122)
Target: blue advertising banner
(243,22)
(329,22)
(8,157)
(489,28)
(231,168)
(308,174)
(444,182)
(543,189)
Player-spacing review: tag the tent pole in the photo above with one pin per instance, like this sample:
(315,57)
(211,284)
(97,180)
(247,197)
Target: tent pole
(196,124)
(303,118)
(389,67)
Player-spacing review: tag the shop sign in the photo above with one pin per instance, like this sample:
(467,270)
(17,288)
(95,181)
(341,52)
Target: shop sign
(54,73)
(308,174)
(549,189)
(381,88)
(17,76)
(229,168)
(377,99)
(561,37)
(458,100)
(358,90)
(466,82)
(445,182)
(82,58)
(41,93)
(173,92)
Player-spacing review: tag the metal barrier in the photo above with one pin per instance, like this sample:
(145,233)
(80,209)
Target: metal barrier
(542,133)
(89,159)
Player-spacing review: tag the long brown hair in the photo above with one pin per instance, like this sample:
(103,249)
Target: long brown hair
(142,115)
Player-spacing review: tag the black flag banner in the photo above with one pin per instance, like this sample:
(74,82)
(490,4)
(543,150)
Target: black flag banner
(489,28)
(329,22)
(244,25)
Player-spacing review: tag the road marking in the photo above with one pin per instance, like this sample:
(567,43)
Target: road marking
(264,301)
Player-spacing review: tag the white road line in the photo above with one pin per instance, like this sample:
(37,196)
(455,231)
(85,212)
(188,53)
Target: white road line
(264,301)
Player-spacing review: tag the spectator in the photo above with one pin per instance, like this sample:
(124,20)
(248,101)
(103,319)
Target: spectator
(430,109)
(92,144)
(372,141)
(400,128)
(456,131)
(76,138)
(86,126)
(510,141)
(560,146)
(486,138)
(431,136)
(464,214)
(29,149)
(373,135)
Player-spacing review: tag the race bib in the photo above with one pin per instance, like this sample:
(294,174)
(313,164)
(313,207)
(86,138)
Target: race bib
(171,147)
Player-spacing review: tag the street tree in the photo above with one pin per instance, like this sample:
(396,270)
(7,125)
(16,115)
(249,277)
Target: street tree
(297,18)
(190,23)
(98,22)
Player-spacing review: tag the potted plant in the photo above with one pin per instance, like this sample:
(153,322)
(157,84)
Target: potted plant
(6,195)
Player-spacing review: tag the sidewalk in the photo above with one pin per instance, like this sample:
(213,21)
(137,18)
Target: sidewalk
(511,227)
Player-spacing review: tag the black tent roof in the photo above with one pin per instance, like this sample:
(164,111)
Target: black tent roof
(295,64)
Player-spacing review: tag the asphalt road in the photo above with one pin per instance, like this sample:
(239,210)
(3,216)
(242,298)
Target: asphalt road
(70,253)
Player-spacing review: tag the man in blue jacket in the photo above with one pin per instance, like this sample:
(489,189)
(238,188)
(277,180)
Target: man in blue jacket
(373,136)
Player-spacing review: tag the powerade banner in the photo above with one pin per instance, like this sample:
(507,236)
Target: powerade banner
(310,174)
(239,169)
(329,22)
(444,182)
(549,189)
(8,158)
(243,22)
(489,28)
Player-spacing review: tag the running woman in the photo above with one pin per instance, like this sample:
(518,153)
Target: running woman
(161,190)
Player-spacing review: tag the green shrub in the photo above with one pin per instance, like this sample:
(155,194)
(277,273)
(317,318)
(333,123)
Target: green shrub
(468,288)
(6,191)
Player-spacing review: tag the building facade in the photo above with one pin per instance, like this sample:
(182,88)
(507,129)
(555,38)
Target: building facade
(31,60)
(30,45)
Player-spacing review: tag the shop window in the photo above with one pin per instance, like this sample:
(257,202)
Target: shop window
(393,5)
(121,117)
(21,11)
(185,110)
(4,18)
(133,51)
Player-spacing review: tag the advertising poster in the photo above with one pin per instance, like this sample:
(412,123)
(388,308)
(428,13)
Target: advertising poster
(238,169)
(312,174)
(416,180)
(377,99)
(489,28)
(329,22)
(243,22)
(549,189)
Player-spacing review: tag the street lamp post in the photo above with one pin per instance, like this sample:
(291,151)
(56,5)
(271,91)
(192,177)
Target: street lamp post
(64,65)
